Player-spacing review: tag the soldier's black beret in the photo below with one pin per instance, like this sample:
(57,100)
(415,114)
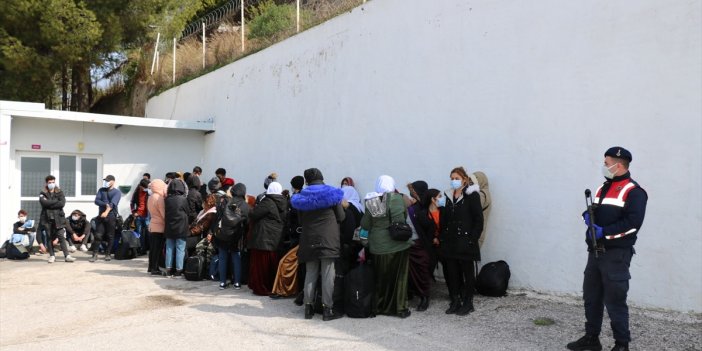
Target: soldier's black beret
(618,152)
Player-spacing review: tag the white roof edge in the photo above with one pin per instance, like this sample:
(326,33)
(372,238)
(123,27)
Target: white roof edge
(37,110)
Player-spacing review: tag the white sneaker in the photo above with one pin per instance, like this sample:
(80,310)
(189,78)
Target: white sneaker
(83,248)
(52,259)
(72,248)
(70,258)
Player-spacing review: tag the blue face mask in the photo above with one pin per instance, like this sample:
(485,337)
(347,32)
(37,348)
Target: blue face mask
(105,184)
(456,184)
(441,202)
(51,186)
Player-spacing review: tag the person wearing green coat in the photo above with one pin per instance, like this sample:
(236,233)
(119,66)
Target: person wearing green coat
(390,257)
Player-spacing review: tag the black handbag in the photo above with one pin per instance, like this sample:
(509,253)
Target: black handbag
(399,231)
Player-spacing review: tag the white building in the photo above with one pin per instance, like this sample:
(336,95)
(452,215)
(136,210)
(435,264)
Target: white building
(79,149)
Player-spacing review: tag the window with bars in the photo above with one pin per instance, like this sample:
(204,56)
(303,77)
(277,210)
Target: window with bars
(76,175)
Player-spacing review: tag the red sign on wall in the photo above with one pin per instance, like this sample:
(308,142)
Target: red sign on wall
(36,146)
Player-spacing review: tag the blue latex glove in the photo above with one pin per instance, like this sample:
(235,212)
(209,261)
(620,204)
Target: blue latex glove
(586,218)
(599,234)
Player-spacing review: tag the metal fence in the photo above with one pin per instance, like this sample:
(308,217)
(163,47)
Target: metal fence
(220,36)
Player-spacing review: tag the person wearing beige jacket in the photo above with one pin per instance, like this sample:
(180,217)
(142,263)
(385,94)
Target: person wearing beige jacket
(157,210)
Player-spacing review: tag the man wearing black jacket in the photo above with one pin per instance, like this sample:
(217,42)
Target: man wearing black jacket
(52,218)
(619,208)
(107,200)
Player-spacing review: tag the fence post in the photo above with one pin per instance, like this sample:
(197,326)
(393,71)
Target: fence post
(243,29)
(174,59)
(298,16)
(203,44)
(153,62)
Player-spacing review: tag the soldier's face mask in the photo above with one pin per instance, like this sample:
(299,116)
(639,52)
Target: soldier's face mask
(607,171)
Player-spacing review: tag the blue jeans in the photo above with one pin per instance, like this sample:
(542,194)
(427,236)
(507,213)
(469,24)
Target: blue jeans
(141,226)
(224,255)
(18,237)
(179,246)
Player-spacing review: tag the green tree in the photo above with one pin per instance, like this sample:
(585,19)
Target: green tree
(45,42)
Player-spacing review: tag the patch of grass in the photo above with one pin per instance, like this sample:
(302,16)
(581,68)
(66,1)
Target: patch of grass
(544,321)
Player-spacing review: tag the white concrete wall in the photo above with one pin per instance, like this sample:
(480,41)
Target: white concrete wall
(126,153)
(532,93)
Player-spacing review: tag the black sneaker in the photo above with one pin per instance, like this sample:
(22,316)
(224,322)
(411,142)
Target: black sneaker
(222,286)
(586,343)
(237,286)
(620,346)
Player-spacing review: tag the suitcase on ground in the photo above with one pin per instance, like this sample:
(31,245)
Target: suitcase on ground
(194,268)
(493,279)
(359,290)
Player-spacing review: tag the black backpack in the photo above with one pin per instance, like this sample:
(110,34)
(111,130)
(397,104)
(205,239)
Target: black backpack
(16,252)
(359,288)
(127,247)
(195,268)
(493,279)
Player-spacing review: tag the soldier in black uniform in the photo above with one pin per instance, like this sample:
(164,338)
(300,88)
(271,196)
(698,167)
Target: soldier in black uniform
(619,209)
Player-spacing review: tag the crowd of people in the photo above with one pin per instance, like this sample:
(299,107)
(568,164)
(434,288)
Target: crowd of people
(296,243)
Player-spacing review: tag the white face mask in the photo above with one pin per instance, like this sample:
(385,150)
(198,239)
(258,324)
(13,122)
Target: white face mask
(151,192)
(105,184)
(51,186)
(22,219)
(75,218)
(607,171)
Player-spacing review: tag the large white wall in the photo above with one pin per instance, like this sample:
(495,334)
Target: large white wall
(126,153)
(532,93)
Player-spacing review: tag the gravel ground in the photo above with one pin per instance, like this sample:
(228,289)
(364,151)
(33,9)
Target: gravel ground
(117,306)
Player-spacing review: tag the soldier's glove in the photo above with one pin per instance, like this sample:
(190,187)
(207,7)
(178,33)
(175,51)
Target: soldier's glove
(599,234)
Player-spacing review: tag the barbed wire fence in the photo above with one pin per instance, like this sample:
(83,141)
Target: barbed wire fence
(220,36)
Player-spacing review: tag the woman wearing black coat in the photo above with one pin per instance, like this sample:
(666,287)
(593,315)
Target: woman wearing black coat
(228,239)
(461,223)
(269,217)
(177,228)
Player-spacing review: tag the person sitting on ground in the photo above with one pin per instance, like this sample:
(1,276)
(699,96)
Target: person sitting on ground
(269,216)
(78,229)
(24,231)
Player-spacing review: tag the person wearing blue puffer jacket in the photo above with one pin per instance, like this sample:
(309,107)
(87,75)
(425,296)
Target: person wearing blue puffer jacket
(320,211)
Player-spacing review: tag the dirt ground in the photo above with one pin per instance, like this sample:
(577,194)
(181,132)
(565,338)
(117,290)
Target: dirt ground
(117,306)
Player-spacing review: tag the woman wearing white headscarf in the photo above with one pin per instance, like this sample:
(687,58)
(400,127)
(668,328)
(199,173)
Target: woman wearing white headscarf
(391,257)
(269,216)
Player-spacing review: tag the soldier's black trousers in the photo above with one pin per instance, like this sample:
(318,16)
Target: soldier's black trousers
(606,284)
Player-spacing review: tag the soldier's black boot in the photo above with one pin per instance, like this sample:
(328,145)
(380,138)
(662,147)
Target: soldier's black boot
(454,306)
(328,314)
(467,307)
(309,310)
(586,343)
(620,346)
